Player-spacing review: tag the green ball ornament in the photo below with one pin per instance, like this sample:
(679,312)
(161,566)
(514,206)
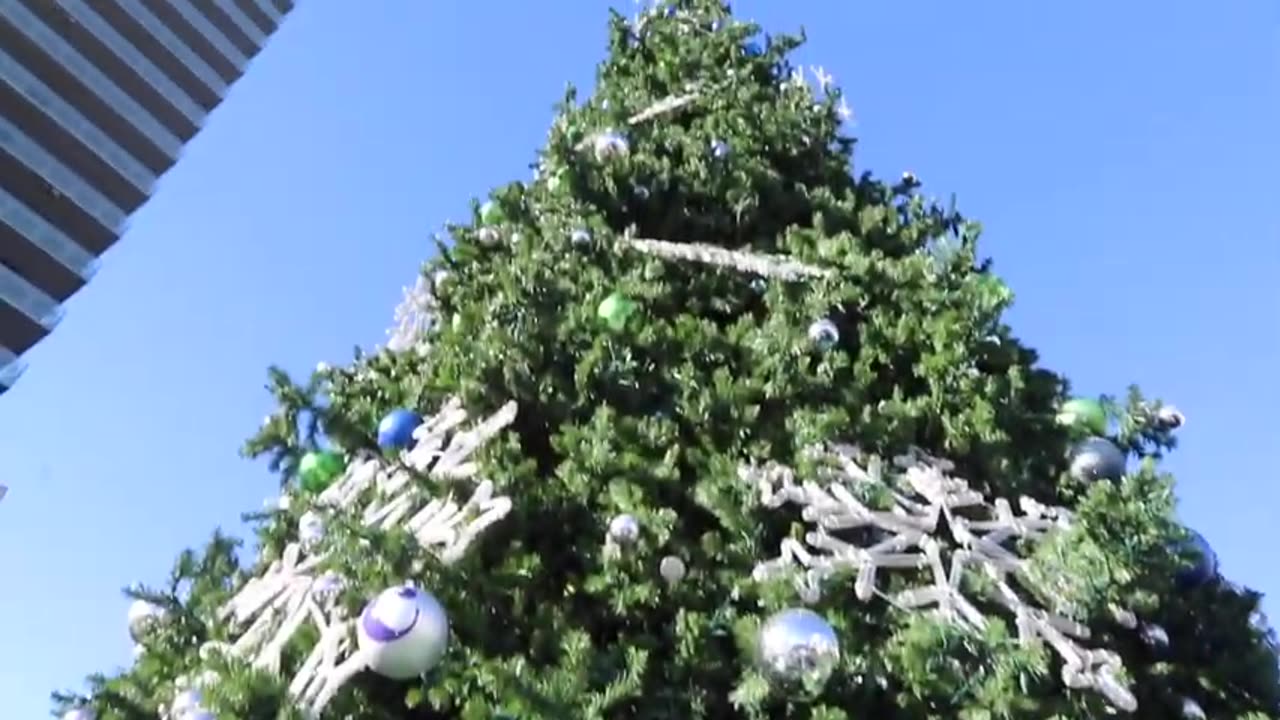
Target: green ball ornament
(318,469)
(615,310)
(1084,415)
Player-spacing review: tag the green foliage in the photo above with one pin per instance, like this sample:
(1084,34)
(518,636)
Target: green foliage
(715,369)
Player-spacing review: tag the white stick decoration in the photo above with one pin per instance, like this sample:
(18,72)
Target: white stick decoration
(922,494)
(288,594)
(661,107)
(763,265)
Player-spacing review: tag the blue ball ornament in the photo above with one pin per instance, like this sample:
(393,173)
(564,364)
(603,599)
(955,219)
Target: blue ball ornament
(395,432)
(1201,561)
(753,49)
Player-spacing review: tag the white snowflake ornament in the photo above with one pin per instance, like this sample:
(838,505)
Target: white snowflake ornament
(925,500)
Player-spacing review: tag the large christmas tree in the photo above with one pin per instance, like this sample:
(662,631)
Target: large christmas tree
(702,424)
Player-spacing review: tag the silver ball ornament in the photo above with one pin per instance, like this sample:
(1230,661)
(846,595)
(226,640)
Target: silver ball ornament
(1168,418)
(824,334)
(719,149)
(80,713)
(609,145)
(1192,710)
(672,569)
(142,617)
(403,633)
(624,529)
(327,586)
(185,703)
(488,235)
(1155,636)
(311,528)
(580,237)
(799,647)
(1097,459)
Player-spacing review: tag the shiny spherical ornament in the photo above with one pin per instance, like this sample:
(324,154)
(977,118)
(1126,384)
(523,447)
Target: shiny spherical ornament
(616,310)
(1168,418)
(80,713)
(824,334)
(1097,459)
(609,145)
(580,237)
(798,646)
(1191,710)
(672,569)
(1155,637)
(143,617)
(403,632)
(488,235)
(1201,562)
(395,432)
(185,702)
(327,586)
(491,214)
(759,285)
(624,529)
(1084,415)
(719,149)
(310,529)
(317,470)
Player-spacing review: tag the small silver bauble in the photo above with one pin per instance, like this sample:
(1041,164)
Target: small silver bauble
(759,285)
(327,586)
(672,569)
(143,616)
(824,334)
(488,235)
(1155,637)
(1169,418)
(310,528)
(608,145)
(1097,459)
(80,713)
(798,646)
(579,237)
(186,702)
(719,149)
(1192,710)
(624,529)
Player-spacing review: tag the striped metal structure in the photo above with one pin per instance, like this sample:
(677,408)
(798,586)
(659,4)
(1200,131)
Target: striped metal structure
(97,99)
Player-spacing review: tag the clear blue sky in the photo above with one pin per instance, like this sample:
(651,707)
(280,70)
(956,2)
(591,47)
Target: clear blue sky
(1121,155)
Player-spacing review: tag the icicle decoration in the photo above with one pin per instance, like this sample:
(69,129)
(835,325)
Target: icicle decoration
(923,493)
(415,315)
(762,265)
(292,592)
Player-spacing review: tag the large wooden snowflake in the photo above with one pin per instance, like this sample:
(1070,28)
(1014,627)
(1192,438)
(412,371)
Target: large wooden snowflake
(292,592)
(909,536)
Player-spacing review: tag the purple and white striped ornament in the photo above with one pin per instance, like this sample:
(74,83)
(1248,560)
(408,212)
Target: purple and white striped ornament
(403,633)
